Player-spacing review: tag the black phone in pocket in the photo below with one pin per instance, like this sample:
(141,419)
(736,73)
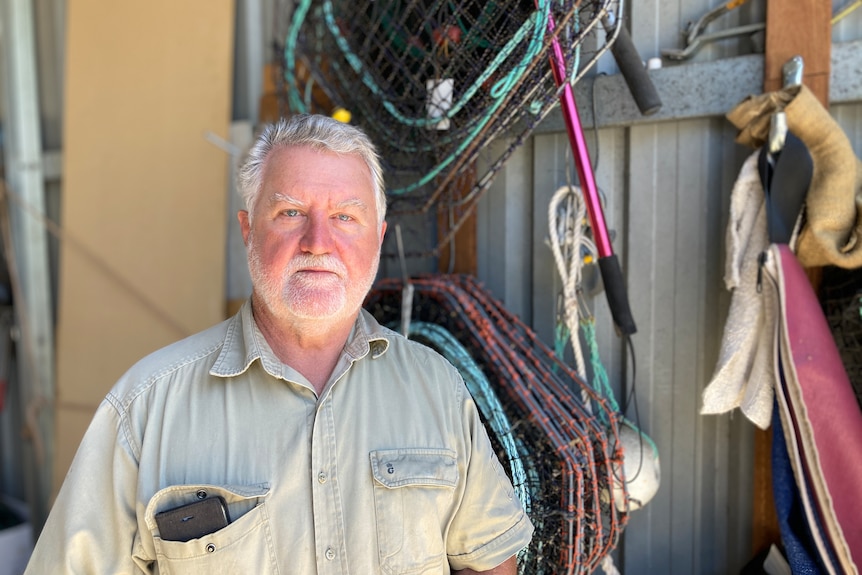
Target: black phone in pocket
(194,520)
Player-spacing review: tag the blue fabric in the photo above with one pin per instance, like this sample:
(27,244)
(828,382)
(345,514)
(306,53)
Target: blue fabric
(799,547)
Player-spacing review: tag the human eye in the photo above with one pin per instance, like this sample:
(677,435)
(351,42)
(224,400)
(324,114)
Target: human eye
(290,212)
(344,217)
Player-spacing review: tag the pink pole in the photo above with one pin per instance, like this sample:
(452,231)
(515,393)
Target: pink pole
(609,265)
(579,149)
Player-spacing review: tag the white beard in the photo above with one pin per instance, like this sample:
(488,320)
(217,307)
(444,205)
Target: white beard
(312,296)
(297,295)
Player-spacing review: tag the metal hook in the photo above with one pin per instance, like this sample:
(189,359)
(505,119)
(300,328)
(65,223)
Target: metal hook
(792,72)
(792,75)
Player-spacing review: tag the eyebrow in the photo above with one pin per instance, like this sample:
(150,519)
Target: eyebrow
(284,198)
(353,203)
(288,199)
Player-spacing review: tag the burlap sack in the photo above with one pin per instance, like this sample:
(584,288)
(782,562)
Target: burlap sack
(833,206)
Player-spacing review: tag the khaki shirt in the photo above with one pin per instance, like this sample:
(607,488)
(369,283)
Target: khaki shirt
(389,471)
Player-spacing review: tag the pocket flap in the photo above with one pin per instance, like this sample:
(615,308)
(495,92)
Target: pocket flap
(420,466)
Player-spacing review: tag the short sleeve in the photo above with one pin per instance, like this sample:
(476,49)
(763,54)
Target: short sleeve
(92,524)
(490,524)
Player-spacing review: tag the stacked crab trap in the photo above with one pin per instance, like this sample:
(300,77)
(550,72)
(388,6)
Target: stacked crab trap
(434,82)
(556,437)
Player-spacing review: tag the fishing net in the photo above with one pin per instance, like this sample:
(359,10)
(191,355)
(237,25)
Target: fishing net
(841,299)
(433,82)
(561,449)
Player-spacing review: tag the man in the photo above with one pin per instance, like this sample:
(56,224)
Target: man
(318,441)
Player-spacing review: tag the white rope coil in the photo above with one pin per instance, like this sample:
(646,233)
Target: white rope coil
(570,246)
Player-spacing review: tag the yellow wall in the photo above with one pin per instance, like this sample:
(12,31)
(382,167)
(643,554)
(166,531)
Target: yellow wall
(144,193)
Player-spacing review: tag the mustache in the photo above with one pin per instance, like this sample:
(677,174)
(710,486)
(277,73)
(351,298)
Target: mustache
(309,261)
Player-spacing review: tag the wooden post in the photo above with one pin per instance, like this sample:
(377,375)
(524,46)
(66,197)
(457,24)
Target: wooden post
(463,259)
(793,28)
(799,28)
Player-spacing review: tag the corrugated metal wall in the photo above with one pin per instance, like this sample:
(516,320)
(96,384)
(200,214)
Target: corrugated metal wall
(679,179)
(667,186)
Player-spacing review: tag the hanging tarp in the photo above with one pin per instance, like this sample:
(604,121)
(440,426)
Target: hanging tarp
(820,418)
(777,347)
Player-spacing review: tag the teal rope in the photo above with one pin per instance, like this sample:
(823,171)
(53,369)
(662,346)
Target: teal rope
(561,338)
(576,22)
(601,383)
(600,375)
(299,15)
(486,399)
(537,23)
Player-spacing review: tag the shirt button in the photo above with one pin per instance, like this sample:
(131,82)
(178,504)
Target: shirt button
(330,553)
(321,477)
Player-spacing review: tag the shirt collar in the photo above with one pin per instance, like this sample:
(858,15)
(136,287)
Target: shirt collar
(244,343)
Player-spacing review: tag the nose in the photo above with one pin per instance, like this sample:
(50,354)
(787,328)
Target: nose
(317,235)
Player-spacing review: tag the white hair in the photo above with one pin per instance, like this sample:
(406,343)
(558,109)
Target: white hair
(316,131)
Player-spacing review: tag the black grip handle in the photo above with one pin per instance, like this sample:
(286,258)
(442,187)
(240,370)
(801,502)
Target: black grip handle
(635,74)
(615,290)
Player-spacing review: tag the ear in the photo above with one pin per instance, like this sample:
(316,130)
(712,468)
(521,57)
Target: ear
(382,232)
(244,225)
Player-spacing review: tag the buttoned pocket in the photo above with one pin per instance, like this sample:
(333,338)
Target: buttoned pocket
(413,491)
(243,546)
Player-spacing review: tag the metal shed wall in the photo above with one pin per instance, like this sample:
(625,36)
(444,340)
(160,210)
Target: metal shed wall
(667,188)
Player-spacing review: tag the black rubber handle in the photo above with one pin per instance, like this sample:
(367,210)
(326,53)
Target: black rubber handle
(635,74)
(615,290)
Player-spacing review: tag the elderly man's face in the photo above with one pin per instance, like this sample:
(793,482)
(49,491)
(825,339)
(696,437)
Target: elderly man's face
(313,240)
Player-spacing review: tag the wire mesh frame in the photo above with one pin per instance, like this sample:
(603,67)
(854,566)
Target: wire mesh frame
(378,58)
(576,456)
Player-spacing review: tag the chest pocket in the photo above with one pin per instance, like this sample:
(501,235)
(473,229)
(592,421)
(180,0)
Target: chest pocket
(413,491)
(244,546)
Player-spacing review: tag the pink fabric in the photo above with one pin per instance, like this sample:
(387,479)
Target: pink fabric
(828,418)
